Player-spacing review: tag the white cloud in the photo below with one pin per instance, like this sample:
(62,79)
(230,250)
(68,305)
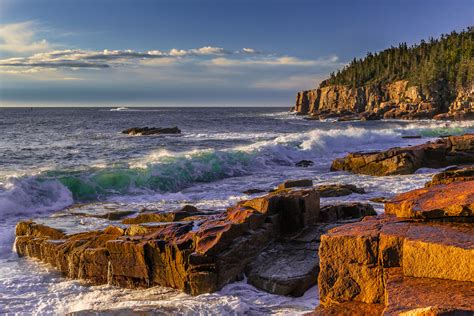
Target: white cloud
(21,38)
(249,50)
(294,82)
(107,58)
(271,61)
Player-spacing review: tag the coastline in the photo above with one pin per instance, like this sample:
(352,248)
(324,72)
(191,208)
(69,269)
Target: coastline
(330,199)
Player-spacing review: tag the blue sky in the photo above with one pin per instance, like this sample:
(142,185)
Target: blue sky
(191,52)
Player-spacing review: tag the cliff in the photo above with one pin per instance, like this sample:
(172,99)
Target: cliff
(432,79)
(387,101)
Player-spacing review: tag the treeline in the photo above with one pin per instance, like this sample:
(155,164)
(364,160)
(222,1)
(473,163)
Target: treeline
(447,61)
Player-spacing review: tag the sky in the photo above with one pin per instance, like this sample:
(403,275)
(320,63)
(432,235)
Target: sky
(198,52)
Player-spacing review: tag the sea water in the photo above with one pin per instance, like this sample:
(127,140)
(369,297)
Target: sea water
(52,159)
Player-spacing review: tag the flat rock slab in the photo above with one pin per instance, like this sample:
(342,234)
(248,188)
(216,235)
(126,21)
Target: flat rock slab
(425,296)
(285,268)
(439,251)
(447,200)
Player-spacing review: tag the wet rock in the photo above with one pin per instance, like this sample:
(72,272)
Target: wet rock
(304,163)
(334,190)
(295,183)
(144,131)
(290,265)
(196,257)
(380,199)
(395,161)
(174,216)
(285,268)
(343,211)
(253,191)
(112,215)
(453,174)
(411,136)
(29,228)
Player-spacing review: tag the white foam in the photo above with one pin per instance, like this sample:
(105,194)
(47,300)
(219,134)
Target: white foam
(31,195)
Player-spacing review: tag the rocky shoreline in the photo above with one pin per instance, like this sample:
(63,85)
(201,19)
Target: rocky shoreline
(284,242)
(395,100)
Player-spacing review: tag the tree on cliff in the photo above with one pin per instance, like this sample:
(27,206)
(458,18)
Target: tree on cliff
(445,64)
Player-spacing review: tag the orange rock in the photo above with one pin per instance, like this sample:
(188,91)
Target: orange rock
(454,174)
(395,161)
(451,200)
(424,296)
(195,257)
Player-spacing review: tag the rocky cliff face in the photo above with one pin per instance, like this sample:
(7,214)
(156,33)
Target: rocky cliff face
(394,100)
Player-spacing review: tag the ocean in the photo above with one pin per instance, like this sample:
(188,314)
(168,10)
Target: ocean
(56,161)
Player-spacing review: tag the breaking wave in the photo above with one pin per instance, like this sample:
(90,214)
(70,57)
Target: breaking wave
(165,171)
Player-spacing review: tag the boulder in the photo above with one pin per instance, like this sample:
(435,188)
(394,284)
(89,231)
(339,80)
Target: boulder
(396,161)
(144,131)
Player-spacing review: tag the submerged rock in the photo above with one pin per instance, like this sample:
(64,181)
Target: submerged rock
(442,153)
(343,211)
(379,199)
(334,190)
(295,183)
(304,163)
(144,131)
(253,191)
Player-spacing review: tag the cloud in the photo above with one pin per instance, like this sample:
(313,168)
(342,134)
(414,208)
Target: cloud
(271,61)
(107,58)
(293,82)
(20,38)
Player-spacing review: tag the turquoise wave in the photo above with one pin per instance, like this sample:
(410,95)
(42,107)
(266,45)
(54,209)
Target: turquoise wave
(170,174)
